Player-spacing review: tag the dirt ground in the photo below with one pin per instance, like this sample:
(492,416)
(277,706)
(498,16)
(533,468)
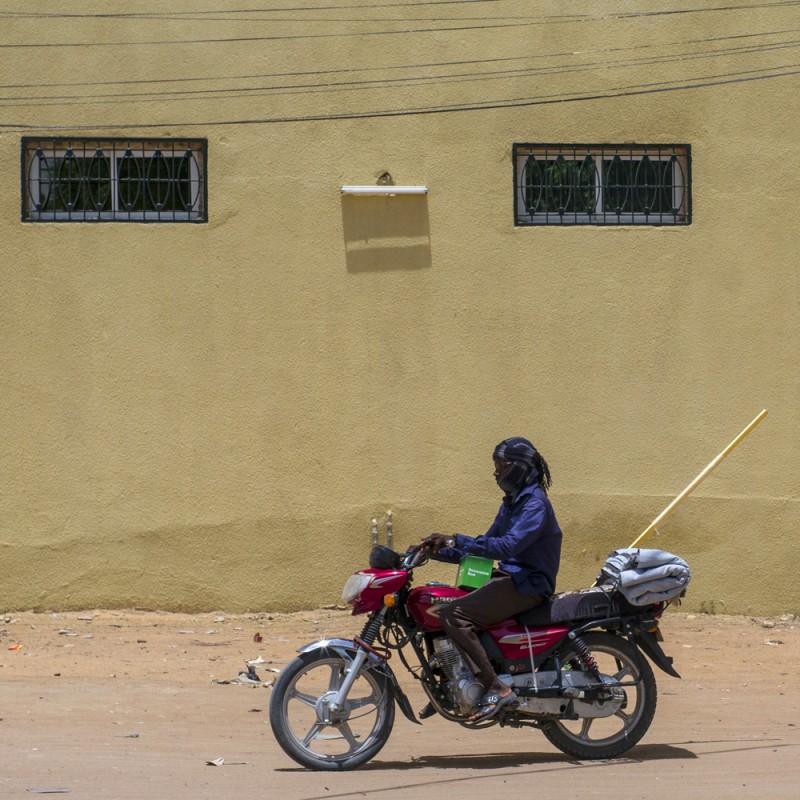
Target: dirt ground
(128,705)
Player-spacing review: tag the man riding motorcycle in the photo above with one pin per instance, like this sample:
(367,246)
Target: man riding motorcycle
(526,541)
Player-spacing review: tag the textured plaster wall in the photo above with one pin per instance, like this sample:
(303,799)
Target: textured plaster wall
(208,416)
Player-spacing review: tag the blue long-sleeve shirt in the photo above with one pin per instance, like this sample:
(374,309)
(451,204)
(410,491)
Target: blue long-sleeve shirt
(524,538)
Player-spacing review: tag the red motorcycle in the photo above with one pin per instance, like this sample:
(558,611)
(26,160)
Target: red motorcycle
(575,664)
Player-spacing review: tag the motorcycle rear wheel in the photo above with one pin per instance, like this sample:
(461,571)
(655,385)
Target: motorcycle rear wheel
(608,737)
(348,738)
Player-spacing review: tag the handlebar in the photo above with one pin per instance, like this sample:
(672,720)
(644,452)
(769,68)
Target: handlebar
(416,556)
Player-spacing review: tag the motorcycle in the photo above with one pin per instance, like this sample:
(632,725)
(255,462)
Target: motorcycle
(577,665)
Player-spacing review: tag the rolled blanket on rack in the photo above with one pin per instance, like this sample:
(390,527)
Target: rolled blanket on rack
(644,577)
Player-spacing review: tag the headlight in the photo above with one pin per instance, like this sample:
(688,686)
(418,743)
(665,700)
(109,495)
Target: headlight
(354,586)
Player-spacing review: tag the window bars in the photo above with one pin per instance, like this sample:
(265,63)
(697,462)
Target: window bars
(613,184)
(114,180)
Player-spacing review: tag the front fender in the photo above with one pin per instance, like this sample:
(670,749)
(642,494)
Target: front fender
(346,648)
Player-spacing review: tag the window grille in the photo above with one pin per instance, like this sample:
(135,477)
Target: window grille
(114,180)
(584,184)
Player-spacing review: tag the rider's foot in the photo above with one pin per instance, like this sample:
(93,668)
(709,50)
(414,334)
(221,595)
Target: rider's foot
(427,711)
(492,701)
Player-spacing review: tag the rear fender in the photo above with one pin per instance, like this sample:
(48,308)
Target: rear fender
(347,649)
(650,646)
(644,640)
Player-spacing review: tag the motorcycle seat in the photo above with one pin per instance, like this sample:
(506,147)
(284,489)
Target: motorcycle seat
(537,617)
(577,605)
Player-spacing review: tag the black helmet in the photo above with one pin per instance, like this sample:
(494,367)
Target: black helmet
(515,449)
(527,465)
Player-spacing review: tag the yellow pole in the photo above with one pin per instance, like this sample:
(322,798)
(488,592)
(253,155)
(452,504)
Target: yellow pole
(697,481)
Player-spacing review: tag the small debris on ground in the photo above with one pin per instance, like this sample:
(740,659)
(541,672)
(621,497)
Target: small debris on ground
(250,677)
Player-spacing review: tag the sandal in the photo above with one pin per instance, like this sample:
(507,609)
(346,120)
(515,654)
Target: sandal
(427,711)
(490,705)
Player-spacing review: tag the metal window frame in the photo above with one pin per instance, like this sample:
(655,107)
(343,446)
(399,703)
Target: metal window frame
(141,146)
(601,152)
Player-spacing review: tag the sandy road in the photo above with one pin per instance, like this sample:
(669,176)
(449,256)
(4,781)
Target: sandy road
(113,705)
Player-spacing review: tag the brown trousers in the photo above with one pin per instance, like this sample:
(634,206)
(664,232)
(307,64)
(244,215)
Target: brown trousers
(496,600)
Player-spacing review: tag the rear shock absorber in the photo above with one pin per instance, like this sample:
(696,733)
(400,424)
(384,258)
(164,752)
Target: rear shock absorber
(585,657)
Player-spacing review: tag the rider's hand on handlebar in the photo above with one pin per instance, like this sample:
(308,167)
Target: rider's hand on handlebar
(436,541)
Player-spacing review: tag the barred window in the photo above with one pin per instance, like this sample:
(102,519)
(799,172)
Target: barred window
(114,180)
(584,184)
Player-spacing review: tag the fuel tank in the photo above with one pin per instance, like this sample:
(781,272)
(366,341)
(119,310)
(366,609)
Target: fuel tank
(425,603)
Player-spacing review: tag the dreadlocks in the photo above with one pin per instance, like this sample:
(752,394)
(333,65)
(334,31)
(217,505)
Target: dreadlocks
(545,481)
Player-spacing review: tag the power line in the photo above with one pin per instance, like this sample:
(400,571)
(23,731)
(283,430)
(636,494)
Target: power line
(280,38)
(396,67)
(384,83)
(413,31)
(203,14)
(198,13)
(634,89)
(701,82)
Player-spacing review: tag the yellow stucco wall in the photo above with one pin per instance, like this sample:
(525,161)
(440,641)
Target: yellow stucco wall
(208,416)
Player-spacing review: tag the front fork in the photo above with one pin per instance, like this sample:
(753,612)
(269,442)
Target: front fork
(356,654)
(350,674)
(364,647)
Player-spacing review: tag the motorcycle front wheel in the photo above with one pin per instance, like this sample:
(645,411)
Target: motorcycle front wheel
(609,736)
(321,739)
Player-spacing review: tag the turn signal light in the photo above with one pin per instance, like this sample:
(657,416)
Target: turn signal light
(659,637)
(389,600)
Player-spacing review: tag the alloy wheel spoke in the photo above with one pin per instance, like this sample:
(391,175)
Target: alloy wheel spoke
(361,702)
(313,732)
(626,718)
(348,736)
(625,671)
(306,699)
(586,724)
